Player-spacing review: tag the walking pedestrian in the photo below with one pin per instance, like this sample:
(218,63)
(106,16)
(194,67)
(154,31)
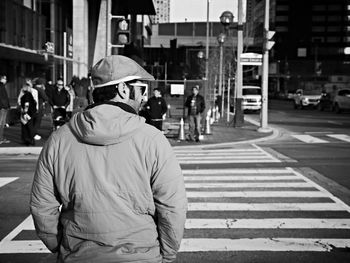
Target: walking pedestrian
(156,107)
(4,107)
(42,99)
(196,105)
(28,87)
(108,187)
(28,114)
(70,106)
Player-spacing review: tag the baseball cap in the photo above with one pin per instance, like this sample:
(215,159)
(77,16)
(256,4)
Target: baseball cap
(114,69)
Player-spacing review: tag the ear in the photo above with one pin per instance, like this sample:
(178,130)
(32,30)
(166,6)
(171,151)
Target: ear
(123,90)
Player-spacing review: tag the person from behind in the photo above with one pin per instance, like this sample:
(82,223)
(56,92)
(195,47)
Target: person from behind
(4,107)
(108,187)
(28,114)
(156,107)
(70,106)
(196,105)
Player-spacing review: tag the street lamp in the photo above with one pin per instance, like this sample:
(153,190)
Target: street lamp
(221,40)
(226,19)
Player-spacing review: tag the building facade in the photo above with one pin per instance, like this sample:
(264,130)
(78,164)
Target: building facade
(162,11)
(55,39)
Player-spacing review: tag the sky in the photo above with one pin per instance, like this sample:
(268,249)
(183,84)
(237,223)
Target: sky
(196,10)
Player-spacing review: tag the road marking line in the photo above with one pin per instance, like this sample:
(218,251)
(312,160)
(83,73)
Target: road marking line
(243,185)
(265,207)
(342,137)
(26,224)
(201,154)
(238,171)
(229,150)
(198,194)
(308,138)
(266,153)
(321,189)
(278,223)
(247,160)
(242,177)
(223,157)
(262,244)
(7,180)
(23,246)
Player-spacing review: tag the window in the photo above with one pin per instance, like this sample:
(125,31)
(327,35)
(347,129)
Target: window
(318,18)
(334,18)
(319,8)
(333,39)
(318,29)
(334,8)
(282,8)
(333,28)
(281,18)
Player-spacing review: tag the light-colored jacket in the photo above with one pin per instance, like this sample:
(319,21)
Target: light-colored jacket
(108,188)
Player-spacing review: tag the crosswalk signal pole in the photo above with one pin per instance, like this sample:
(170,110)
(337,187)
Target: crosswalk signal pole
(265,70)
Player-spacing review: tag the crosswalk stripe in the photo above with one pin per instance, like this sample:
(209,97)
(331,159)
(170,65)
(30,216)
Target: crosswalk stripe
(7,180)
(308,138)
(342,137)
(223,157)
(221,151)
(23,246)
(252,194)
(265,207)
(242,177)
(280,223)
(262,244)
(218,161)
(245,185)
(256,171)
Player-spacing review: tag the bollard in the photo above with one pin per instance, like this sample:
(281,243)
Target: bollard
(168,111)
(181,131)
(207,125)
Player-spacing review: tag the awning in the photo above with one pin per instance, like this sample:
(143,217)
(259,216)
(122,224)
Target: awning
(133,7)
(22,54)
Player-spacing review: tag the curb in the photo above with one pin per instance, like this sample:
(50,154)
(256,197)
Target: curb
(274,135)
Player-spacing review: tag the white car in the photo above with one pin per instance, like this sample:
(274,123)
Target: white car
(306,98)
(251,98)
(341,100)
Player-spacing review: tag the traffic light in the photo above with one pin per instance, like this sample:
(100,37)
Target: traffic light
(122,32)
(268,42)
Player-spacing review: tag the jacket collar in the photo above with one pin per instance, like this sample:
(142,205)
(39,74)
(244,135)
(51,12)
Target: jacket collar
(121,105)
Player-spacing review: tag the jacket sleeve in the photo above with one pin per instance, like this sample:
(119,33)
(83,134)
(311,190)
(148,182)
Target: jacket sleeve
(67,99)
(44,200)
(169,197)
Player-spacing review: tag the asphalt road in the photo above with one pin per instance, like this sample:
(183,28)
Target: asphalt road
(286,200)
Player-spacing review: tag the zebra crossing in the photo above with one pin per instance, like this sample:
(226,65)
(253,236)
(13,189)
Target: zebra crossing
(269,209)
(313,138)
(242,154)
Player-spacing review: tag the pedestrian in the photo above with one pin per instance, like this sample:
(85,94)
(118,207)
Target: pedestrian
(108,187)
(70,106)
(28,114)
(156,107)
(28,87)
(195,105)
(42,99)
(4,107)
(60,100)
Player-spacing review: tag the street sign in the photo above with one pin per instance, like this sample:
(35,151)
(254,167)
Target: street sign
(251,59)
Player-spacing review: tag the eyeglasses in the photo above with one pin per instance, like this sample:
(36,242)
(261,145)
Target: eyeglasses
(142,88)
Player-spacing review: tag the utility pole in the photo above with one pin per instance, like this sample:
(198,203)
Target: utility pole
(109,21)
(265,71)
(239,117)
(207,45)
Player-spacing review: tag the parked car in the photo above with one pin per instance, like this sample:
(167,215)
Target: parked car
(341,100)
(306,98)
(251,98)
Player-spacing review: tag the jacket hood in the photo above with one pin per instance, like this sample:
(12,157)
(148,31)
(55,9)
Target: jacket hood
(105,124)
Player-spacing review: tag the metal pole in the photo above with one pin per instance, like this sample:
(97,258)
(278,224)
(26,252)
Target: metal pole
(65,56)
(207,45)
(228,92)
(265,72)
(108,33)
(238,117)
(220,79)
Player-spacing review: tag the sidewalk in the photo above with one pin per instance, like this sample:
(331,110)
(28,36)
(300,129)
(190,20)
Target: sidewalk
(222,134)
